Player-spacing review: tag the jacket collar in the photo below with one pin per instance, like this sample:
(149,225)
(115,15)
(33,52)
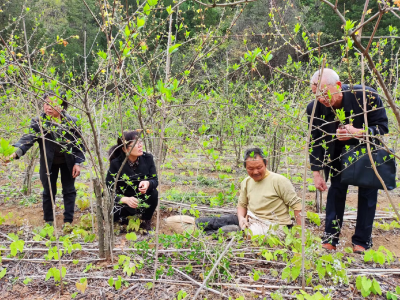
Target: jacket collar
(347,103)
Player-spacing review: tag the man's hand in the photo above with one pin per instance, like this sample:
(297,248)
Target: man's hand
(319,182)
(143,186)
(348,132)
(297,216)
(76,171)
(243,223)
(130,201)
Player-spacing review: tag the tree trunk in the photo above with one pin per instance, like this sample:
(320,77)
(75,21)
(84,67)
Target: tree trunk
(27,185)
(99,215)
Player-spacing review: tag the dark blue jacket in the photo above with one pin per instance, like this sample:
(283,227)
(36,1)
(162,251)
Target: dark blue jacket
(322,146)
(66,134)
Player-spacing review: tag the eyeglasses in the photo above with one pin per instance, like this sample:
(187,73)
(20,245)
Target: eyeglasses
(138,142)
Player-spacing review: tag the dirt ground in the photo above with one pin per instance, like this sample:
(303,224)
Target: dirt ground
(33,216)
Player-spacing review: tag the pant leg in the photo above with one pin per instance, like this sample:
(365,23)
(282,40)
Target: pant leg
(367,199)
(215,223)
(122,212)
(335,207)
(69,192)
(152,201)
(47,204)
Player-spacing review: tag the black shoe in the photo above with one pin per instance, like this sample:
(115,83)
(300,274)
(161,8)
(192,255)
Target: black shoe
(50,223)
(145,225)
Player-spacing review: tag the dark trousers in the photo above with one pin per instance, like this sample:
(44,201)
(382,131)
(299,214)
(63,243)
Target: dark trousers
(215,223)
(121,212)
(335,206)
(68,191)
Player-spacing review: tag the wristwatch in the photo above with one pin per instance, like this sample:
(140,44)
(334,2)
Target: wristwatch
(79,164)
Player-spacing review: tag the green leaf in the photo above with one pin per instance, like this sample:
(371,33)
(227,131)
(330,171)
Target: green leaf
(358,282)
(111,282)
(49,274)
(131,236)
(127,31)
(140,22)
(295,272)
(368,255)
(297,28)
(3,273)
(366,283)
(173,48)
(286,273)
(169,10)
(376,287)
(63,272)
(146,9)
(118,283)
(102,54)
(152,2)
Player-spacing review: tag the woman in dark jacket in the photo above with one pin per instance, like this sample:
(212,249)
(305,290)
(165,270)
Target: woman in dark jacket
(136,192)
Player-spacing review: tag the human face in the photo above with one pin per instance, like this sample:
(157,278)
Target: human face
(330,95)
(256,168)
(51,107)
(136,151)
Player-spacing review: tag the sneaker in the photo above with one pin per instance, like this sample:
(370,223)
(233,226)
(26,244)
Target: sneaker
(50,223)
(358,249)
(329,247)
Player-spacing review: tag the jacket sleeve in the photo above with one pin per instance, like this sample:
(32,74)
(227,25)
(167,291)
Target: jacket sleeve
(315,149)
(78,149)
(110,180)
(378,123)
(153,173)
(28,140)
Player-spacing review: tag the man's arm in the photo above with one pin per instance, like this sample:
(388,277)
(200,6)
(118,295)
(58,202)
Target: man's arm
(242,217)
(376,115)
(288,194)
(377,119)
(297,216)
(242,205)
(316,151)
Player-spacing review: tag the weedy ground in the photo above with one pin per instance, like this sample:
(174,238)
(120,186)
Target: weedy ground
(261,267)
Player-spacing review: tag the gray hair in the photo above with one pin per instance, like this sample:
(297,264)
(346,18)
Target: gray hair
(329,76)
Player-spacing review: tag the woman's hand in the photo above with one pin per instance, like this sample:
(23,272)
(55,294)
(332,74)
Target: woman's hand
(130,201)
(143,186)
(10,158)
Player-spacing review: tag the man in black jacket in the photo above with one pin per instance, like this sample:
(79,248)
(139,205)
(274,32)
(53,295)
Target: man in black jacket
(341,104)
(63,151)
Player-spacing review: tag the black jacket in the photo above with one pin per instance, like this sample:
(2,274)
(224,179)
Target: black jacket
(325,122)
(66,134)
(129,179)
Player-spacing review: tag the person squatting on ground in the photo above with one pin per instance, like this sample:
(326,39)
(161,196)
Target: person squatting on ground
(64,153)
(136,191)
(264,200)
(326,151)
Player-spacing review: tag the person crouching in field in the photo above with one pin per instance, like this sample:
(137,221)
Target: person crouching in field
(264,200)
(63,151)
(136,191)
